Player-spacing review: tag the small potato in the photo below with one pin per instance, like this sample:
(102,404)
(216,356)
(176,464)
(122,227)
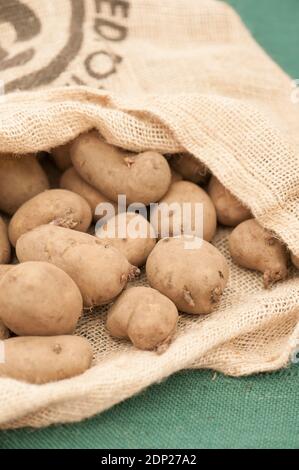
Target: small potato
(295,261)
(142,178)
(131,234)
(172,219)
(4,243)
(146,317)
(230,211)
(72,181)
(189,271)
(189,167)
(56,206)
(99,270)
(4,332)
(253,247)
(62,157)
(39,299)
(39,360)
(20,180)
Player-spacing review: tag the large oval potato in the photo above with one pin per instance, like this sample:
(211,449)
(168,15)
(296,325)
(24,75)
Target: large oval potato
(230,211)
(39,299)
(143,178)
(99,270)
(57,206)
(145,316)
(189,167)
(131,234)
(4,243)
(172,216)
(61,156)
(4,268)
(189,271)
(72,181)
(20,180)
(253,247)
(39,360)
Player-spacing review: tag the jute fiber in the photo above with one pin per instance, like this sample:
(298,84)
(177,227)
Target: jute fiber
(171,76)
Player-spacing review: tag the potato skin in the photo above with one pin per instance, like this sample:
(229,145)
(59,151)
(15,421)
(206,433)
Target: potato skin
(253,247)
(40,360)
(39,299)
(189,167)
(62,157)
(4,268)
(72,181)
(20,180)
(136,250)
(57,206)
(230,211)
(186,192)
(194,278)
(295,261)
(4,243)
(145,316)
(142,178)
(99,270)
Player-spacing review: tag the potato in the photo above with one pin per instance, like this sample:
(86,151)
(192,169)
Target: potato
(72,181)
(4,243)
(20,180)
(253,247)
(230,211)
(142,178)
(62,157)
(295,261)
(189,167)
(39,360)
(189,271)
(178,194)
(146,317)
(57,206)
(4,333)
(39,299)
(131,234)
(99,270)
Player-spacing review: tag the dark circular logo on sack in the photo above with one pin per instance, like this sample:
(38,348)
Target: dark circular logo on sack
(26,25)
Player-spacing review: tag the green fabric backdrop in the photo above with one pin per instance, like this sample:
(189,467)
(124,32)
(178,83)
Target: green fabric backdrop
(193,408)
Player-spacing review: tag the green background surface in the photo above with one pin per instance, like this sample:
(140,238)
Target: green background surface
(193,408)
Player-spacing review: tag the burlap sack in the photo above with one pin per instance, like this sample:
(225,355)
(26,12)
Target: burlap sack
(167,75)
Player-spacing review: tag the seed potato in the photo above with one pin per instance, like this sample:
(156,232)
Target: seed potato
(56,206)
(189,271)
(143,178)
(40,360)
(145,316)
(253,247)
(39,299)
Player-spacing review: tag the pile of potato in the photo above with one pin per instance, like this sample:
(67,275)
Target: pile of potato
(65,267)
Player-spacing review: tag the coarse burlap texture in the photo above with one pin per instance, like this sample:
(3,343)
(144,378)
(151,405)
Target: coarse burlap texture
(172,76)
